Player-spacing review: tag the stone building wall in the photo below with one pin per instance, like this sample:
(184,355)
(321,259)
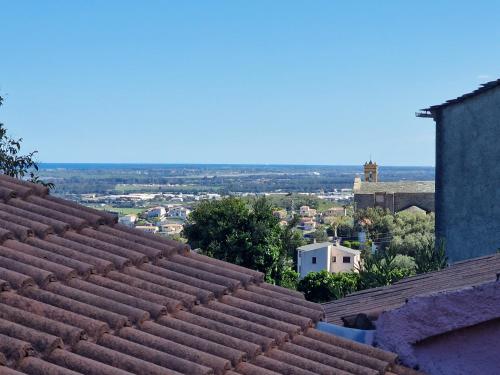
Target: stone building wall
(394,202)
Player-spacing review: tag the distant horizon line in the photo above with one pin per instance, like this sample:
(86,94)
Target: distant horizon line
(227,164)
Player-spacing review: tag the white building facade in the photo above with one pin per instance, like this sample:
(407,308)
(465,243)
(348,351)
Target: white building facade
(180,212)
(157,212)
(327,256)
(128,220)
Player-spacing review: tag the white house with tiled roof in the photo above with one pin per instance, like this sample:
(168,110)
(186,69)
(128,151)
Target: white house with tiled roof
(326,256)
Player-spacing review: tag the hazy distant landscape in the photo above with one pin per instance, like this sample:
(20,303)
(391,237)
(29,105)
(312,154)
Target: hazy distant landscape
(216,178)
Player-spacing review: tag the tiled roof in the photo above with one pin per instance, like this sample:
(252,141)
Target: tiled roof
(396,187)
(315,246)
(80,294)
(371,302)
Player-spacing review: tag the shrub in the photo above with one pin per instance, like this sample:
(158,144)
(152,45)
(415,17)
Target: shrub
(324,286)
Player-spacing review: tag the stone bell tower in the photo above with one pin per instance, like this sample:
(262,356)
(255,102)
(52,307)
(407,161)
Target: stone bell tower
(371,171)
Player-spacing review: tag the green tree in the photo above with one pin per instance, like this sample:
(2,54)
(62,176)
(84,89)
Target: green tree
(320,234)
(378,223)
(292,239)
(346,229)
(402,233)
(412,233)
(431,258)
(15,164)
(249,236)
(324,286)
(339,226)
(382,269)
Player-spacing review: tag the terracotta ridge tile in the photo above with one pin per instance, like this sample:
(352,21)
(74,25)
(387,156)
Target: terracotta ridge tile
(39,189)
(61,272)
(83,364)
(73,221)
(5,234)
(36,366)
(83,269)
(69,334)
(39,229)
(151,253)
(7,193)
(124,359)
(15,349)
(41,277)
(42,342)
(94,328)
(57,225)
(134,256)
(15,279)
(19,189)
(151,239)
(4,285)
(20,231)
(118,261)
(109,218)
(101,265)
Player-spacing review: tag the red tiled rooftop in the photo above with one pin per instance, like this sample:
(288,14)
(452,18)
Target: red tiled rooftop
(80,294)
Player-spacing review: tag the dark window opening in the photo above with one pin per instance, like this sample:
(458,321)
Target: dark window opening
(334,259)
(314,260)
(346,259)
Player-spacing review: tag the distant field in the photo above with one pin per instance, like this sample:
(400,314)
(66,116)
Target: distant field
(120,210)
(145,188)
(187,178)
(296,200)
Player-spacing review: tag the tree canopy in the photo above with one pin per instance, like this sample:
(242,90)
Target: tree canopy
(404,233)
(12,162)
(246,235)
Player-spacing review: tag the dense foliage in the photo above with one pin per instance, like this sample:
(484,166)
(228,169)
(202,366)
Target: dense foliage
(12,162)
(405,243)
(249,236)
(404,233)
(383,269)
(324,286)
(430,258)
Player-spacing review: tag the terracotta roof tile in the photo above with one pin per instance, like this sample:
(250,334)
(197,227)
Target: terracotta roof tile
(249,369)
(372,302)
(81,294)
(82,365)
(8,371)
(36,366)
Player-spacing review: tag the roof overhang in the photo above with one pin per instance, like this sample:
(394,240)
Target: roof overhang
(432,111)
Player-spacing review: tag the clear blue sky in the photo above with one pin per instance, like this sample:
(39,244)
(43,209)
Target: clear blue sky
(299,82)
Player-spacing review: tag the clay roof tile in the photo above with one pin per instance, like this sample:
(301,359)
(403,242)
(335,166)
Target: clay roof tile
(80,294)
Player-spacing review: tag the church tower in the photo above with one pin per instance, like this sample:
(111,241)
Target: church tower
(371,172)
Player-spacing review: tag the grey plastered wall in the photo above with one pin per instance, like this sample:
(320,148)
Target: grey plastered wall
(468,176)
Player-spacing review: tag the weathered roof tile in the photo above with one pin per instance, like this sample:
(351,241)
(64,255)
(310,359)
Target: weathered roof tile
(80,294)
